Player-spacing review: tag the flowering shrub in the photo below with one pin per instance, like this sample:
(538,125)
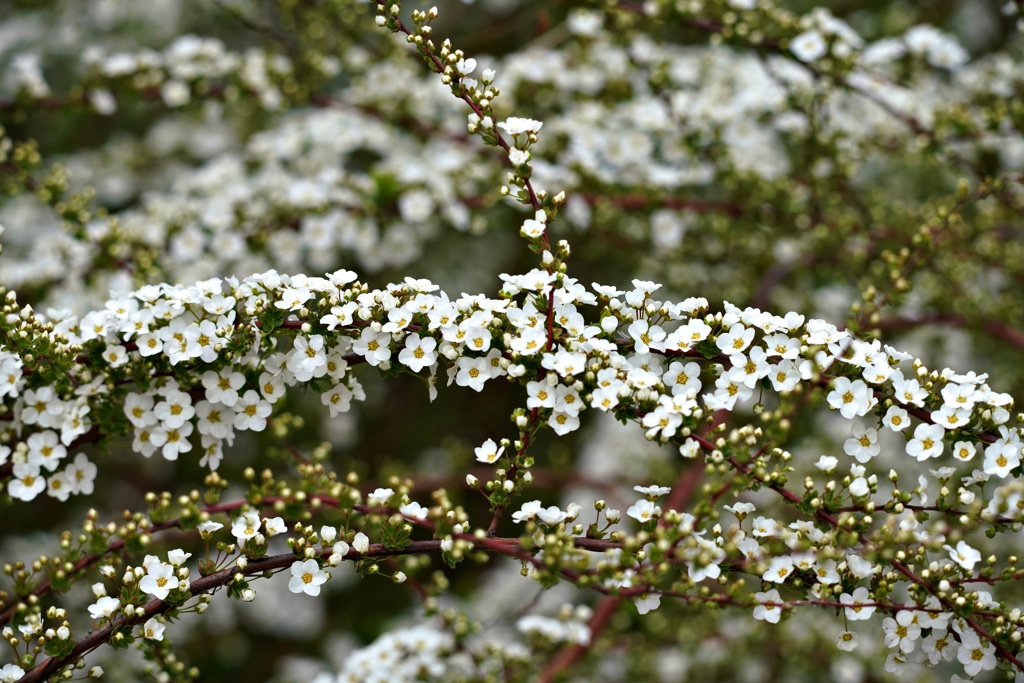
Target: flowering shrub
(237,343)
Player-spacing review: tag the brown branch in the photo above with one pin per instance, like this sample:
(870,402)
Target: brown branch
(208,584)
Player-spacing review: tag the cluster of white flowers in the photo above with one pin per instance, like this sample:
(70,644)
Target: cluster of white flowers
(214,220)
(45,450)
(154,578)
(571,629)
(187,60)
(480,339)
(402,654)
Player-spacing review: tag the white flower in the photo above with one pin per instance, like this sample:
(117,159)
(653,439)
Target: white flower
(379,497)
(207,529)
(860,567)
(201,341)
(338,400)
(361,543)
(115,355)
(414,510)
(963,451)
(159,580)
(373,346)
(859,487)
(175,93)
(975,655)
(472,372)
(222,387)
(104,607)
(274,526)
(27,482)
(769,606)
(562,423)
(735,340)
(855,608)
(683,377)
(340,315)
(9,673)
(809,46)
(293,298)
(153,629)
(826,572)
(647,602)
(927,442)
(784,376)
(517,126)
(488,452)
(552,515)
(518,157)
(749,370)
(215,420)
(532,229)
(964,555)
(901,631)
(644,336)
(908,391)
(252,412)
(656,491)
(863,444)
(741,510)
(245,527)
(307,577)
(418,353)
(847,641)
(689,448)
(527,512)
(177,557)
(644,511)
(851,398)
(59,486)
(896,419)
(338,551)
(175,409)
(779,569)
(172,441)
(1002,457)
(45,450)
(826,463)
(149,344)
(139,409)
(952,418)
(960,395)
(465,66)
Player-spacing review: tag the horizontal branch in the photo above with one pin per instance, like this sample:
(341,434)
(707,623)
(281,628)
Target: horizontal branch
(208,584)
